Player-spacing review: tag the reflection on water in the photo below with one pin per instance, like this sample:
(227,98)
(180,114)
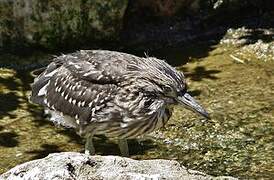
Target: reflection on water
(237,141)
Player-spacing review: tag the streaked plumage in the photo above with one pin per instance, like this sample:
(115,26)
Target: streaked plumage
(110,93)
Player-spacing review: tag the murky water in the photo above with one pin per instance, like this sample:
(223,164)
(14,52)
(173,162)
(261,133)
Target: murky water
(237,141)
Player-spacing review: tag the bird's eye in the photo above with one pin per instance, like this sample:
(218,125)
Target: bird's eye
(167,89)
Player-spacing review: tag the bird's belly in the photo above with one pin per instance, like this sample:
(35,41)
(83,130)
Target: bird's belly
(137,126)
(133,129)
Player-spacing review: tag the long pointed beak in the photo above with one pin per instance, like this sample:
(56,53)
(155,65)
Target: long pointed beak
(190,103)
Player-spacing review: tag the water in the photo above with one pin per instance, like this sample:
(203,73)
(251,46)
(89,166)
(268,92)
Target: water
(237,141)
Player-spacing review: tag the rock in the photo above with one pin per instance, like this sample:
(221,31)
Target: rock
(77,24)
(71,165)
(59,23)
(250,44)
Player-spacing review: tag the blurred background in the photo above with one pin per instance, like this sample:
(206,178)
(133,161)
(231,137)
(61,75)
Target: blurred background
(224,47)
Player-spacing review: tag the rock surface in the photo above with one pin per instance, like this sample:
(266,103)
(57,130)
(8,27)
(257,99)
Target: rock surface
(71,165)
(55,24)
(250,43)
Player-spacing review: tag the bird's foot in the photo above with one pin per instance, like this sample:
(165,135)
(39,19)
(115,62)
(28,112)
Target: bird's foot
(123,146)
(89,148)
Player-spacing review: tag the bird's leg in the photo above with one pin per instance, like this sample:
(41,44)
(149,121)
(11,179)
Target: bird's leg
(89,148)
(123,146)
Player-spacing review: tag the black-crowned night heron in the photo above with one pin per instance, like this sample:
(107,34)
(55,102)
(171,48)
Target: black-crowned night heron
(115,94)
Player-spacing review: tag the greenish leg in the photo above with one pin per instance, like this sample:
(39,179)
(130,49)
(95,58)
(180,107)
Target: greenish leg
(123,146)
(89,148)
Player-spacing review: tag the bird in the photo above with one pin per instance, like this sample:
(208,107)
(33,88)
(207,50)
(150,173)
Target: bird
(110,93)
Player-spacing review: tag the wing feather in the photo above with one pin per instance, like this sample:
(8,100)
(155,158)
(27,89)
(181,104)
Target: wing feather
(74,87)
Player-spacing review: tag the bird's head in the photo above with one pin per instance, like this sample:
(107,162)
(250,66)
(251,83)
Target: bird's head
(170,85)
(178,95)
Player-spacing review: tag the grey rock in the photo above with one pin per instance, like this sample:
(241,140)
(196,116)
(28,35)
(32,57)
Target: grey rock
(59,23)
(71,165)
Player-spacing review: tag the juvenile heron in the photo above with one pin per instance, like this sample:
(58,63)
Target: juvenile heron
(111,93)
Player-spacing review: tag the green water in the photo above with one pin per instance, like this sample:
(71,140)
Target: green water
(237,141)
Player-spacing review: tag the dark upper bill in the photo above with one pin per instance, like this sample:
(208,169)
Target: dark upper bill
(190,103)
